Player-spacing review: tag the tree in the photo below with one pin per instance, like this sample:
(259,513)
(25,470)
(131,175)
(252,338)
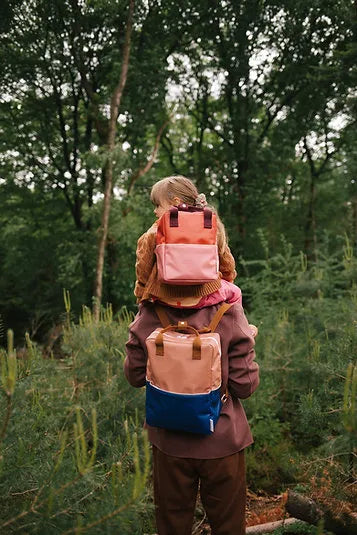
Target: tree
(256,70)
(114,111)
(54,103)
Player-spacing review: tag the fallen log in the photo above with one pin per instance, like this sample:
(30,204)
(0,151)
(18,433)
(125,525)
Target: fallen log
(342,522)
(269,527)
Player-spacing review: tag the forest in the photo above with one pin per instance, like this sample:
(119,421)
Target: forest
(256,102)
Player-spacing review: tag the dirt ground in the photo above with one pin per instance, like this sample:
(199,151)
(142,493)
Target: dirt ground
(260,509)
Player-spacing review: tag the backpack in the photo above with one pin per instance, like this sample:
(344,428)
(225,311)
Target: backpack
(186,246)
(183,375)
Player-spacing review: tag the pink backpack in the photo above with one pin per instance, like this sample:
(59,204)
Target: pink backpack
(186,246)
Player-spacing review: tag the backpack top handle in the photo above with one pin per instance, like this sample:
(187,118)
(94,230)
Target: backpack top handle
(174,210)
(181,326)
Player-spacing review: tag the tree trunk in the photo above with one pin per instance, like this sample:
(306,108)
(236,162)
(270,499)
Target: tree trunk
(305,509)
(114,108)
(269,527)
(310,226)
(240,205)
(310,244)
(354,221)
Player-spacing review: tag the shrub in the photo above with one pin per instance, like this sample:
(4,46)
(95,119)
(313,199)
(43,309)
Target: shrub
(74,457)
(307,350)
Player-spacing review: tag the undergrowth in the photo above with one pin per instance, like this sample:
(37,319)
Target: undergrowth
(73,456)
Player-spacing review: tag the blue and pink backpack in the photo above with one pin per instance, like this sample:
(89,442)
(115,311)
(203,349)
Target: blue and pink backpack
(183,377)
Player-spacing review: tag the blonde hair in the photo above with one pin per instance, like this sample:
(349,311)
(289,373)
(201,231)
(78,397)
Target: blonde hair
(165,191)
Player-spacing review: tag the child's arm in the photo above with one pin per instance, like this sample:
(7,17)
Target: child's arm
(145,259)
(227,265)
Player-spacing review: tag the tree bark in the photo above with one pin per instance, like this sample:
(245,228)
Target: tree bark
(269,527)
(354,221)
(310,244)
(305,509)
(114,108)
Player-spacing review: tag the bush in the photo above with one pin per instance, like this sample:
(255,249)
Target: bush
(307,350)
(74,456)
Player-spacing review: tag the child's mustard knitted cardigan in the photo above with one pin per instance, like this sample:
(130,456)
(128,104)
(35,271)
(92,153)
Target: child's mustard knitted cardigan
(147,283)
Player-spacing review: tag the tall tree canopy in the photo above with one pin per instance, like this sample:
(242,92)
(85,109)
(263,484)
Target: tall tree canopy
(253,100)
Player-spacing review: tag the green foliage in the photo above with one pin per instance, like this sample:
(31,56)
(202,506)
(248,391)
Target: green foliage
(300,528)
(129,219)
(258,89)
(306,347)
(9,366)
(74,432)
(255,129)
(271,468)
(1,328)
(74,456)
(41,253)
(349,400)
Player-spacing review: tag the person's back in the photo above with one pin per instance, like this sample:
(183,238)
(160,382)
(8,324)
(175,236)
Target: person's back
(183,459)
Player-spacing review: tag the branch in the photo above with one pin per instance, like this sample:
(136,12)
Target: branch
(285,101)
(269,527)
(35,504)
(338,146)
(86,74)
(78,58)
(114,109)
(76,137)
(143,170)
(102,519)
(118,92)
(62,122)
(169,150)
(213,128)
(309,157)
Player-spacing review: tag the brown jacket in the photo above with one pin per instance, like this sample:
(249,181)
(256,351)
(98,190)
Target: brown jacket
(239,372)
(147,283)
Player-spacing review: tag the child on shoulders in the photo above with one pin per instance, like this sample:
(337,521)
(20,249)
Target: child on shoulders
(173,191)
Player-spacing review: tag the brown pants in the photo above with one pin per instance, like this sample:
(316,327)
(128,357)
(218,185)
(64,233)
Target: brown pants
(222,489)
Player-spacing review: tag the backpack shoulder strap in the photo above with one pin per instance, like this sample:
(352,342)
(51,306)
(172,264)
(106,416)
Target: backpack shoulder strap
(165,322)
(218,316)
(212,326)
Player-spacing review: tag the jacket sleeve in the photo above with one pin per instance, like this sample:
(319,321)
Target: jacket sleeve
(136,358)
(227,265)
(243,374)
(145,259)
